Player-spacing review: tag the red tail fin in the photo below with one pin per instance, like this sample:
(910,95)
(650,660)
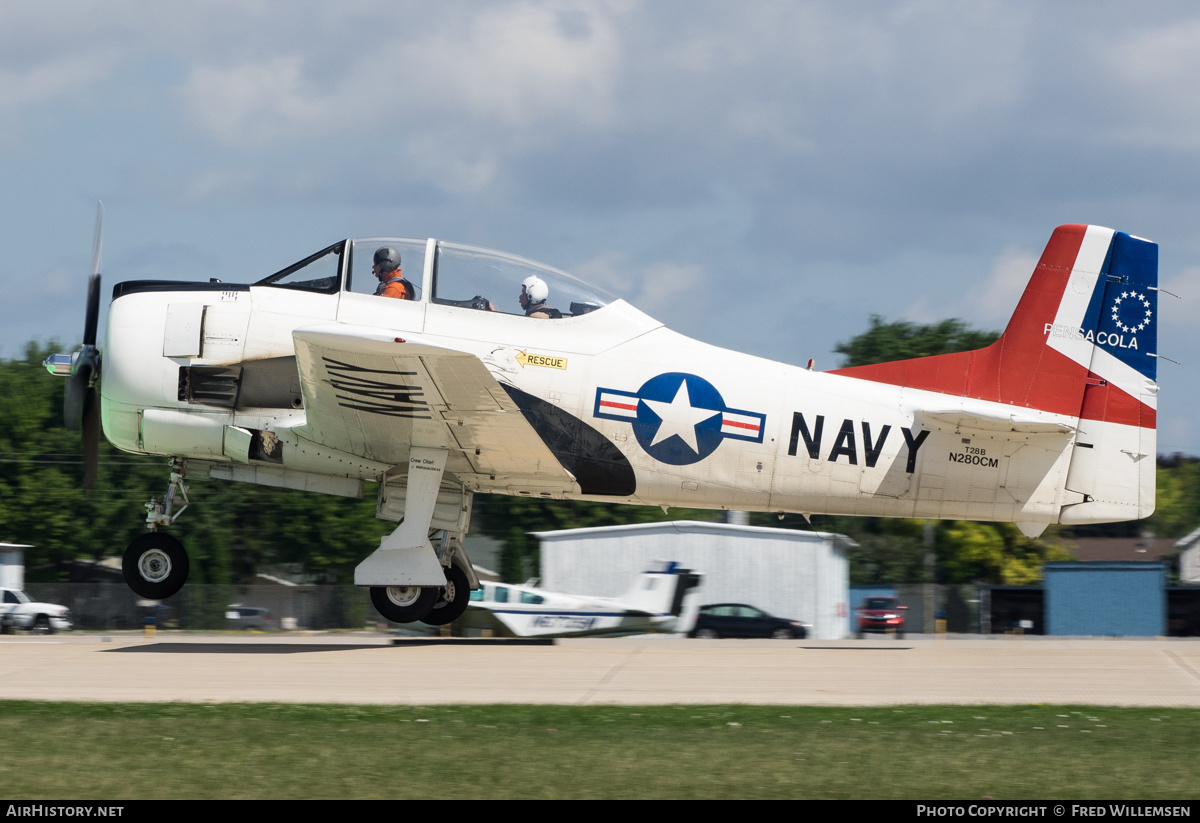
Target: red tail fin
(1081,343)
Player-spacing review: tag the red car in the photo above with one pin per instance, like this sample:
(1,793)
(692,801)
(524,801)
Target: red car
(881,614)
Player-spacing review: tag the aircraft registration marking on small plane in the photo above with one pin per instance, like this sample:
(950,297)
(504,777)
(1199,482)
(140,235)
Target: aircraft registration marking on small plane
(679,418)
(974,456)
(566,622)
(528,358)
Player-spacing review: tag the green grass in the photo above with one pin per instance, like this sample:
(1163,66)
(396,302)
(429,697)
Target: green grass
(131,751)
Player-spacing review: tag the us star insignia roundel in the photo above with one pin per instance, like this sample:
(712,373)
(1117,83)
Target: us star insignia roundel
(679,418)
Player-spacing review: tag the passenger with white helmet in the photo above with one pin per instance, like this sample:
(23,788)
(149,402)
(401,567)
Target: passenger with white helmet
(534,293)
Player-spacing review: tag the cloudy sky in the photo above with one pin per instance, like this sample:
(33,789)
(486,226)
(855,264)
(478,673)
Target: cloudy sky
(762,176)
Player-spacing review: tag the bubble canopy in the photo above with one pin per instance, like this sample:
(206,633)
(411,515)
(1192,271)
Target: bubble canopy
(442,273)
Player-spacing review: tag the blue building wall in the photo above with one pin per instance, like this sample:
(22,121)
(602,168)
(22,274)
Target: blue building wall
(1106,598)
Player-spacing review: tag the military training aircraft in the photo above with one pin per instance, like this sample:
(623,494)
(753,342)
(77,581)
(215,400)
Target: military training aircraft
(652,604)
(496,374)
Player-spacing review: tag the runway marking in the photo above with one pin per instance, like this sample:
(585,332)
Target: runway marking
(607,678)
(857,648)
(1177,660)
(242,648)
(474,641)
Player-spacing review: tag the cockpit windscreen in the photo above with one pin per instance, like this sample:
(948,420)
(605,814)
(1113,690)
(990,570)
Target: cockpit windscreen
(319,272)
(493,281)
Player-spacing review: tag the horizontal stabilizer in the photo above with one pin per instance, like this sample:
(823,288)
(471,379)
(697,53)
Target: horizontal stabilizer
(960,420)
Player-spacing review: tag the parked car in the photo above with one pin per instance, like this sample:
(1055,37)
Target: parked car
(249,617)
(24,613)
(881,615)
(740,620)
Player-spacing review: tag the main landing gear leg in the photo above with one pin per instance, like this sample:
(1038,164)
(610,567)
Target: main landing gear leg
(155,565)
(404,573)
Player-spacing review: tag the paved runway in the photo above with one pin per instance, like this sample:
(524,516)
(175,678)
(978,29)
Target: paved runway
(369,668)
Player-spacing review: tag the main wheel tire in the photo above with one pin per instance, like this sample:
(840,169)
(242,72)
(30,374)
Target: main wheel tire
(155,566)
(404,604)
(453,599)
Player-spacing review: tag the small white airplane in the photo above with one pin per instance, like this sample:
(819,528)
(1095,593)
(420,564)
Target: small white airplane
(652,604)
(502,375)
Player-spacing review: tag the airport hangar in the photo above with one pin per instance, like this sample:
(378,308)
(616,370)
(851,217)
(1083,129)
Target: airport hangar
(801,575)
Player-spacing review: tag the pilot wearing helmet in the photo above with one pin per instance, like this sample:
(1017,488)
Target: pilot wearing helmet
(534,292)
(387,269)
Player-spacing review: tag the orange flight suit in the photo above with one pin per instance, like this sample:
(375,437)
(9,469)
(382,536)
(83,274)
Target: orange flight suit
(396,287)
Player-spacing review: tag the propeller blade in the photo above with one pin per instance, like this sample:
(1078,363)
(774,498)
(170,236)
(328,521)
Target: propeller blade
(91,438)
(81,402)
(93,299)
(98,237)
(93,311)
(75,397)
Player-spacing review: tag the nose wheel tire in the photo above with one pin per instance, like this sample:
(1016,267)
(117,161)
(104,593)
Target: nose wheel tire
(155,566)
(453,600)
(404,604)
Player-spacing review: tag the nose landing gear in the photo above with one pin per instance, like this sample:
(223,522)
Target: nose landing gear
(156,565)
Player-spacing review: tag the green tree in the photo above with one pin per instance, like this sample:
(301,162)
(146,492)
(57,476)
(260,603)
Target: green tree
(994,553)
(889,559)
(1177,501)
(901,340)
(514,560)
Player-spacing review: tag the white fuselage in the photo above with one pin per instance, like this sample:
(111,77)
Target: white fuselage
(728,431)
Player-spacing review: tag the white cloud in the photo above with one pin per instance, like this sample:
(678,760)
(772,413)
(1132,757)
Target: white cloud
(669,287)
(1167,54)
(662,289)
(256,103)
(991,303)
(1179,309)
(52,78)
(982,301)
(515,68)
(525,62)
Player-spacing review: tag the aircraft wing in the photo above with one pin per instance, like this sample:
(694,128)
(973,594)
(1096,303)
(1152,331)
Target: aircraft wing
(374,395)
